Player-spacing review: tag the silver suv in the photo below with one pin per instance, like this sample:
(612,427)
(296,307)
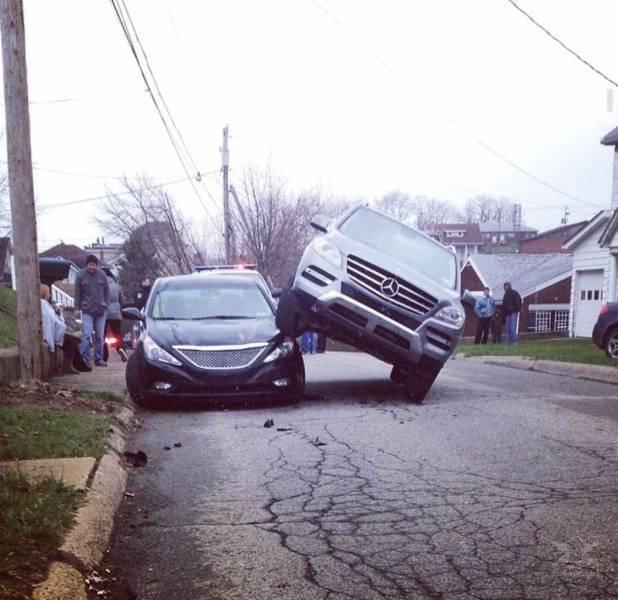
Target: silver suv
(383,287)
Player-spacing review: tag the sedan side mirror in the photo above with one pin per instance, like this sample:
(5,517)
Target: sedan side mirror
(133,314)
(320,222)
(468,299)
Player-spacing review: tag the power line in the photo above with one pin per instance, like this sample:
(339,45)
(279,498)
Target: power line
(84,98)
(560,43)
(441,112)
(93,198)
(125,28)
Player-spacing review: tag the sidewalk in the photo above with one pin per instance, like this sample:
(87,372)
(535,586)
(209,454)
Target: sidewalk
(565,369)
(103,482)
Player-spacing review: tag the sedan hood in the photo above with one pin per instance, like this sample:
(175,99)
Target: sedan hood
(212,332)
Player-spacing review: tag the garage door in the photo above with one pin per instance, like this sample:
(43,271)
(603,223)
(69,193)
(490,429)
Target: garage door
(588,301)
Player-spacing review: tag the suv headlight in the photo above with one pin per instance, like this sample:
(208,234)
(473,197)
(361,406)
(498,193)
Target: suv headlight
(156,353)
(328,251)
(452,315)
(281,351)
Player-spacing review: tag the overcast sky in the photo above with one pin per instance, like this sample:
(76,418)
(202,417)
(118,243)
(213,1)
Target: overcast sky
(344,106)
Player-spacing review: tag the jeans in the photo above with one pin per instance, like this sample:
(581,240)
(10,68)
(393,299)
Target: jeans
(482,330)
(91,323)
(511,328)
(309,342)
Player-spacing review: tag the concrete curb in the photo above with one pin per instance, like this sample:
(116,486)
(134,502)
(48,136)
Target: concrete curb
(564,369)
(85,544)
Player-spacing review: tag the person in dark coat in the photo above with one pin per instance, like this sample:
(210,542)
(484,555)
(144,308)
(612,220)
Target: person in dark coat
(91,300)
(511,305)
(496,327)
(113,323)
(143,293)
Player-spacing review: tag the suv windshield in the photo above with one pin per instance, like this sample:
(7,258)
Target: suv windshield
(209,300)
(402,243)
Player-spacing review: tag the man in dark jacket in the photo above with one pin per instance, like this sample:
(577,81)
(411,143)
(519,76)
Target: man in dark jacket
(143,293)
(91,301)
(511,305)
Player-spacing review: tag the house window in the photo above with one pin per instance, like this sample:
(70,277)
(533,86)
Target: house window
(596,294)
(561,320)
(454,234)
(542,321)
(494,239)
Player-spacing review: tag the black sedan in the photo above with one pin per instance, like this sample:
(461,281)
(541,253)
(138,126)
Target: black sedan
(208,336)
(605,332)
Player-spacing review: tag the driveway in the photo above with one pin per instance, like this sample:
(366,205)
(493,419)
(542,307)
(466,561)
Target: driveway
(503,484)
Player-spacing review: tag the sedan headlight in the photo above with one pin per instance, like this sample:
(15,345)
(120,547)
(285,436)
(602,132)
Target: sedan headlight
(328,251)
(281,351)
(156,353)
(452,315)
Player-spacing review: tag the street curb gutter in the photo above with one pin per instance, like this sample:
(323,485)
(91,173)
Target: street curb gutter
(564,369)
(86,542)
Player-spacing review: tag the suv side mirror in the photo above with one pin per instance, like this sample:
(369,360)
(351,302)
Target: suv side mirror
(133,314)
(320,222)
(468,299)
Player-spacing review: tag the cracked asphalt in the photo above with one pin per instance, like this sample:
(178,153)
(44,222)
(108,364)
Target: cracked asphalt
(502,485)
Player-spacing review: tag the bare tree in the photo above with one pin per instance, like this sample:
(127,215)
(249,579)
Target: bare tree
(272,223)
(484,209)
(147,218)
(430,211)
(396,204)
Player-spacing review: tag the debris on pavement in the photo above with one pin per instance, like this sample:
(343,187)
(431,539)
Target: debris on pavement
(284,429)
(317,441)
(136,459)
(167,448)
(178,445)
(269,423)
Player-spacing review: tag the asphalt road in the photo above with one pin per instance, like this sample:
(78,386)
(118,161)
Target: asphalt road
(503,484)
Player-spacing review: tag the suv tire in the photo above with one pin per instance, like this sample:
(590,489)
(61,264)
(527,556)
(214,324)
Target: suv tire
(289,318)
(419,381)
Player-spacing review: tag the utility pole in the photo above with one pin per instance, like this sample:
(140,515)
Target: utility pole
(227,216)
(21,190)
(565,219)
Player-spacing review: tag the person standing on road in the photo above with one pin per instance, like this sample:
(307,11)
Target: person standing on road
(91,302)
(113,324)
(484,309)
(142,294)
(511,305)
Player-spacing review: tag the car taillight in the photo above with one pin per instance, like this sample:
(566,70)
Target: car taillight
(112,342)
(603,310)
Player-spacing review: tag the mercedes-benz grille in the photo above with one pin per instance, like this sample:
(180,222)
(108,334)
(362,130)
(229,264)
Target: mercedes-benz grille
(389,286)
(221,357)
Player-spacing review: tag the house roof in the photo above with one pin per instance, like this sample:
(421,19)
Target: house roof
(503,226)
(471,233)
(5,249)
(67,251)
(611,227)
(526,272)
(599,219)
(557,230)
(611,139)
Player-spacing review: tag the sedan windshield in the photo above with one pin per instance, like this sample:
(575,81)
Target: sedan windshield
(404,244)
(208,300)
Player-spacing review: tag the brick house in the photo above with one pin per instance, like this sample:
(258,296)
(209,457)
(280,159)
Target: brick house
(464,237)
(504,236)
(595,259)
(551,241)
(542,280)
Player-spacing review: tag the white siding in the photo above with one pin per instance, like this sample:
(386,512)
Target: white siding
(615,180)
(589,256)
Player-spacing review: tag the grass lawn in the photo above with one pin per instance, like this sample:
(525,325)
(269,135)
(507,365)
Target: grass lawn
(565,350)
(31,432)
(8,323)
(33,518)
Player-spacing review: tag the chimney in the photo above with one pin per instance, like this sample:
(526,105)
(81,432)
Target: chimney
(611,139)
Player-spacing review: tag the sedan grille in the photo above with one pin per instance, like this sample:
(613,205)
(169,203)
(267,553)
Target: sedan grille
(389,286)
(221,357)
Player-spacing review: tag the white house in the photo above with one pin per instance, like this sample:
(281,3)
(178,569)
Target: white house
(595,259)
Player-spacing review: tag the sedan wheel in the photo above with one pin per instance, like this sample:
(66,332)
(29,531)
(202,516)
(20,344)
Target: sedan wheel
(611,344)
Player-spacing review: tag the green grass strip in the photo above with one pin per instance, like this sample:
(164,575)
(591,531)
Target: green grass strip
(29,432)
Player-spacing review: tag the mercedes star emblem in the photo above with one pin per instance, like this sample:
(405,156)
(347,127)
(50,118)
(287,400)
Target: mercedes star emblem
(389,287)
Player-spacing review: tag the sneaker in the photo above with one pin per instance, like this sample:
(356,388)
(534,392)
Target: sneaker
(101,364)
(123,354)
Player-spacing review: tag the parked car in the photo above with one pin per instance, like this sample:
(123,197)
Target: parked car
(211,336)
(383,287)
(605,331)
